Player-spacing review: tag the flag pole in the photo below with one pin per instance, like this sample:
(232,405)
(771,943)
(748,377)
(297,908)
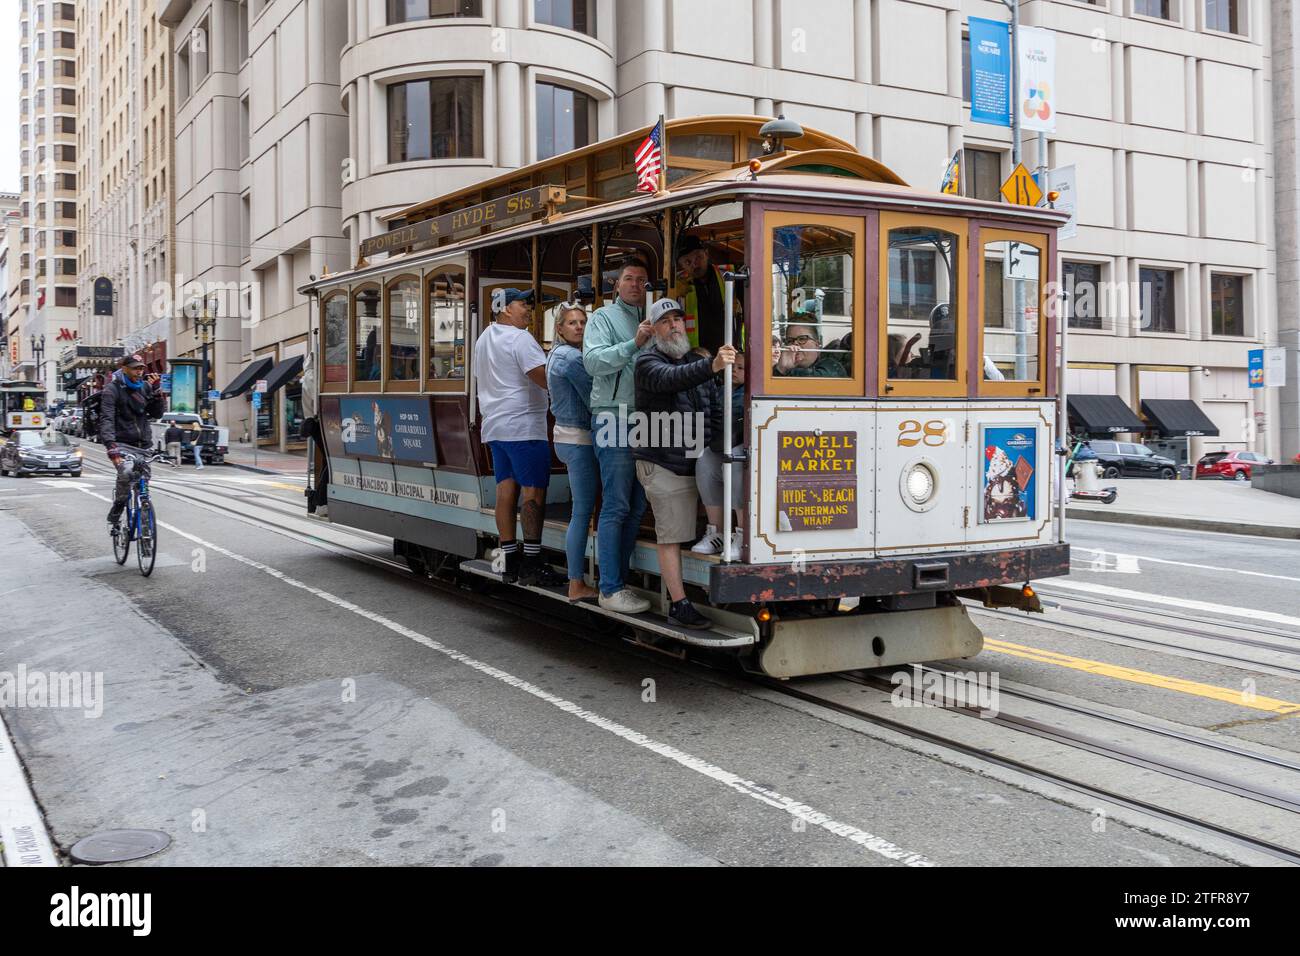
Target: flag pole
(663,157)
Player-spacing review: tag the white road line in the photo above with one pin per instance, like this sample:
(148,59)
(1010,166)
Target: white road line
(22,829)
(1186,564)
(771,798)
(1247,612)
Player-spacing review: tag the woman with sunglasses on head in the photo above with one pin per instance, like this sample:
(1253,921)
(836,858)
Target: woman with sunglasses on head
(570,389)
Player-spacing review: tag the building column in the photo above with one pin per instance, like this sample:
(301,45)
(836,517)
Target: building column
(862,60)
(510,115)
(953,23)
(1124,389)
(362,107)
(1196,392)
(1198,318)
(764,29)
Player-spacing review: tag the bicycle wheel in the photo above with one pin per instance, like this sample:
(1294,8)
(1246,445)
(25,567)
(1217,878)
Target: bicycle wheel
(146,545)
(122,540)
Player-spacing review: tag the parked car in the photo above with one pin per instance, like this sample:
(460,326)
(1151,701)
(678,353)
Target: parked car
(1131,460)
(214,442)
(1230,464)
(31,452)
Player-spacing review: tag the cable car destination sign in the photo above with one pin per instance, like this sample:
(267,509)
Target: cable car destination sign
(504,211)
(817,480)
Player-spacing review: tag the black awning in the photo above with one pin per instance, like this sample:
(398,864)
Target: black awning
(1102,415)
(244,380)
(283,373)
(1178,418)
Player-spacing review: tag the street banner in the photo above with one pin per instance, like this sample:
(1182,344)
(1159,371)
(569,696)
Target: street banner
(952,176)
(1255,368)
(1274,367)
(1064,182)
(1037,94)
(990,72)
(391,429)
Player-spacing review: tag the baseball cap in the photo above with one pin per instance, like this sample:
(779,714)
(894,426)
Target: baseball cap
(131,361)
(663,307)
(503,297)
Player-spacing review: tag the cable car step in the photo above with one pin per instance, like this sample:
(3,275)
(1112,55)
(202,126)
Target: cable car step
(719,636)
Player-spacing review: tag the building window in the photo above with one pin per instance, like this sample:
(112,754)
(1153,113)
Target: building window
(1082,280)
(1227,310)
(64,297)
(1152,8)
(577,15)
(566,119)
(409,11)
(1224,16)
(1157,306)
(435,119)
(965,67)
(982,177)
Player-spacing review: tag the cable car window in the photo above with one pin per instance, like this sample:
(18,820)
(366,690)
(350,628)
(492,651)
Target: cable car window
(813,295)
(335,323)
(404,330)
(1011,311)
(922,341)
(447,324)
(368,351)
(710,146)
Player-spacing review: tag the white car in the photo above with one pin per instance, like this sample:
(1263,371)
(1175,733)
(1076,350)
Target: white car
(215,440)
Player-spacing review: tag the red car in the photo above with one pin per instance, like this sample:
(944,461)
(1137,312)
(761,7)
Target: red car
(1230,464)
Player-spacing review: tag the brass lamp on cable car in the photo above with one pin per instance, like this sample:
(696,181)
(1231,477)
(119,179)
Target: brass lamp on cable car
(776,132)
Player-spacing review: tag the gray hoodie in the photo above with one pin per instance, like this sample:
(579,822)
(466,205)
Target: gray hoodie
(609,352)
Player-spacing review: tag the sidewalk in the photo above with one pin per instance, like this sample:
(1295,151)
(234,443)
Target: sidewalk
(269,462)
(1225,506)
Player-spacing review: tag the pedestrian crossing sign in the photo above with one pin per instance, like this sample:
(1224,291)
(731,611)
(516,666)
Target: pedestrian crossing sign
(1020,188)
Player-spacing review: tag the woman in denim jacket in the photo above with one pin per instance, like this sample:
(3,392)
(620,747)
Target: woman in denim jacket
(570,389)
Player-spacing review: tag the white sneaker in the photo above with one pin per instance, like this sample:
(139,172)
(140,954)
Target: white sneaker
(711,543)
(737,541)
(624,602)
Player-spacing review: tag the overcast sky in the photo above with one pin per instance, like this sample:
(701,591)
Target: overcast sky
(9,98)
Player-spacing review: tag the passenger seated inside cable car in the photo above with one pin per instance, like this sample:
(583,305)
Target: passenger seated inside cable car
(922,333)
(814,273)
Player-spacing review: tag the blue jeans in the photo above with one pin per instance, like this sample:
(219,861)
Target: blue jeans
(198,457)
(622,505)
(584,481)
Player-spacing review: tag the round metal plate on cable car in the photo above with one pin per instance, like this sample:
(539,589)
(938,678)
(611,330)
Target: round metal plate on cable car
(119,846)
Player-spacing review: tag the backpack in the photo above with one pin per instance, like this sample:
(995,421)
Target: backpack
(90,415)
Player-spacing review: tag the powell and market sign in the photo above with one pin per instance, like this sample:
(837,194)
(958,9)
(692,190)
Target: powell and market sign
(496,212)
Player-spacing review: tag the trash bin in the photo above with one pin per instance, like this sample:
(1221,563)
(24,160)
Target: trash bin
(1186,472)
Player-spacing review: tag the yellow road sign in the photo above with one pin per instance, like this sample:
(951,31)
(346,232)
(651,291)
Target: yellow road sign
(1020,188)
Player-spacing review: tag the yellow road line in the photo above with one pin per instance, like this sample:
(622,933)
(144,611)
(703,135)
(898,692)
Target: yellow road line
(1226,694)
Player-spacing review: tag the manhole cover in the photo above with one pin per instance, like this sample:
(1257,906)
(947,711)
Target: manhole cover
(119,846)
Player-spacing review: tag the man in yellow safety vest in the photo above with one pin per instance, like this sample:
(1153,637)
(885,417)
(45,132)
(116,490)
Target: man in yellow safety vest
(704,297)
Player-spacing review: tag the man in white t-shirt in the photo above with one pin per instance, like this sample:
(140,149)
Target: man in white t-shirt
(510,372)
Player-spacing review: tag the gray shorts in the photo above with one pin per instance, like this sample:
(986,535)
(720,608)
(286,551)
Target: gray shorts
(674,500)
(708,478)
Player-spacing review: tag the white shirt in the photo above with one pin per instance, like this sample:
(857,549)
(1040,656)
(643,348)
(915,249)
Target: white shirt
(513,407)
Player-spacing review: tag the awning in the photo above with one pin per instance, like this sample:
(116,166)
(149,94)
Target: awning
(1178,418)
(1102,415)
(244,380)
(283,373)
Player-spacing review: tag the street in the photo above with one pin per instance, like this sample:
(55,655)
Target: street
(284,692)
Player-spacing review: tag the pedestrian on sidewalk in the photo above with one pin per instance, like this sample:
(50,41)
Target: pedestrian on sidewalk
(196,437)
(175,437)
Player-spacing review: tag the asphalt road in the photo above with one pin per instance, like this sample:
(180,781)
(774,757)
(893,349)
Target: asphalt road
(270,696)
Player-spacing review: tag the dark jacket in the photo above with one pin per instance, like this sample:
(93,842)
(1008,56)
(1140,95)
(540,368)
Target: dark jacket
(663,384)
(737,417)
(174,434)
(124,413)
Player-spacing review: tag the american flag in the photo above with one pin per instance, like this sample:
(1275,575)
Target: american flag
(649,160)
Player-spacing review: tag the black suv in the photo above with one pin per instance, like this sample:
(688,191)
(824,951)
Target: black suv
(1121,458)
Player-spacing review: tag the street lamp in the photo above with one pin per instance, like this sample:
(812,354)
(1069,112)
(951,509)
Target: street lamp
(206,323)
(38,351)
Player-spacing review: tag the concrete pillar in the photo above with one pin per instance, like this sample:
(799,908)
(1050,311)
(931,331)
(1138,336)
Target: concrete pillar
(862,65)
(953,24)
(1124,389)
(1118,96)
(764,25)
(1121,302)
(509,14)
(510,115)
(1191,100)
(1196,392)
(363,21)
(1119,197)
(863,134)
(362,108)
(1193,198)
(654,25)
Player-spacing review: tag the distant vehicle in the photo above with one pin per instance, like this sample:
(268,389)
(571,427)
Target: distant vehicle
(33,452)
(22,405)
(214,440)
(1230,464)
(1131,460)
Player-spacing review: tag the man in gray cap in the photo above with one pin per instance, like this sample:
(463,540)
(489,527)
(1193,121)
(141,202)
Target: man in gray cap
(128,401)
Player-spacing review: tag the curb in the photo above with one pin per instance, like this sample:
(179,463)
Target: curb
(1185,524)
(23,833)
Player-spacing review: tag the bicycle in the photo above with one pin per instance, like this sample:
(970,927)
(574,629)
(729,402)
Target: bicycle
(141,524)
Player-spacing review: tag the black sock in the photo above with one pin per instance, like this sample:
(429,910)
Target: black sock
(532,552)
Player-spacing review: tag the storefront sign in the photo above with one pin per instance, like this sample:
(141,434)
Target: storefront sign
(103,296)
(391,429)
(1009,480)
(817,480)
(496,212)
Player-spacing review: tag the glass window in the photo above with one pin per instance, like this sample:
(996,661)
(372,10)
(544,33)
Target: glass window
(1152,8)
(965,67)
(1082,280)
(408,11)
(1012,280)
(578,15)
(335,323)
(923,283)
(983,174)
(1157,300)
(1227,314)
(404,330)
(369,338)
(447,324)
(812,301)
(1224,16)
(566,119)
(435,119)
(720,149)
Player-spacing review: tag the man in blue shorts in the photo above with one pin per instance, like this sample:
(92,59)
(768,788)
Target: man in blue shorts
(510,369)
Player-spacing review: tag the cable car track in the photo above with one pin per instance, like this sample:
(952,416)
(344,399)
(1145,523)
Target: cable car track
(521,608)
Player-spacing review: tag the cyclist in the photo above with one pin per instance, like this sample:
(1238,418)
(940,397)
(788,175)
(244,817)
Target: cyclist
(130,399)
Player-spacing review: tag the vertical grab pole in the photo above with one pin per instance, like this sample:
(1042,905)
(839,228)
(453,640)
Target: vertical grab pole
(1062,419)
(728,305)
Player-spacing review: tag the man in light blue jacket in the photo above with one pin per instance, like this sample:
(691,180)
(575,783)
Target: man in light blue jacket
(614,338)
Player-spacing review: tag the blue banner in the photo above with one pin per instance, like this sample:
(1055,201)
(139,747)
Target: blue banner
(392,429)
(990,72)
(1255,368)
(1010,474)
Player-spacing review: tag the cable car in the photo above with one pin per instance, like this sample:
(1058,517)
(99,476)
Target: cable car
(23,405)
(900,418)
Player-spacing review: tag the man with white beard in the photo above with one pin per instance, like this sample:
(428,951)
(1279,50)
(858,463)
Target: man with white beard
(674,385)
